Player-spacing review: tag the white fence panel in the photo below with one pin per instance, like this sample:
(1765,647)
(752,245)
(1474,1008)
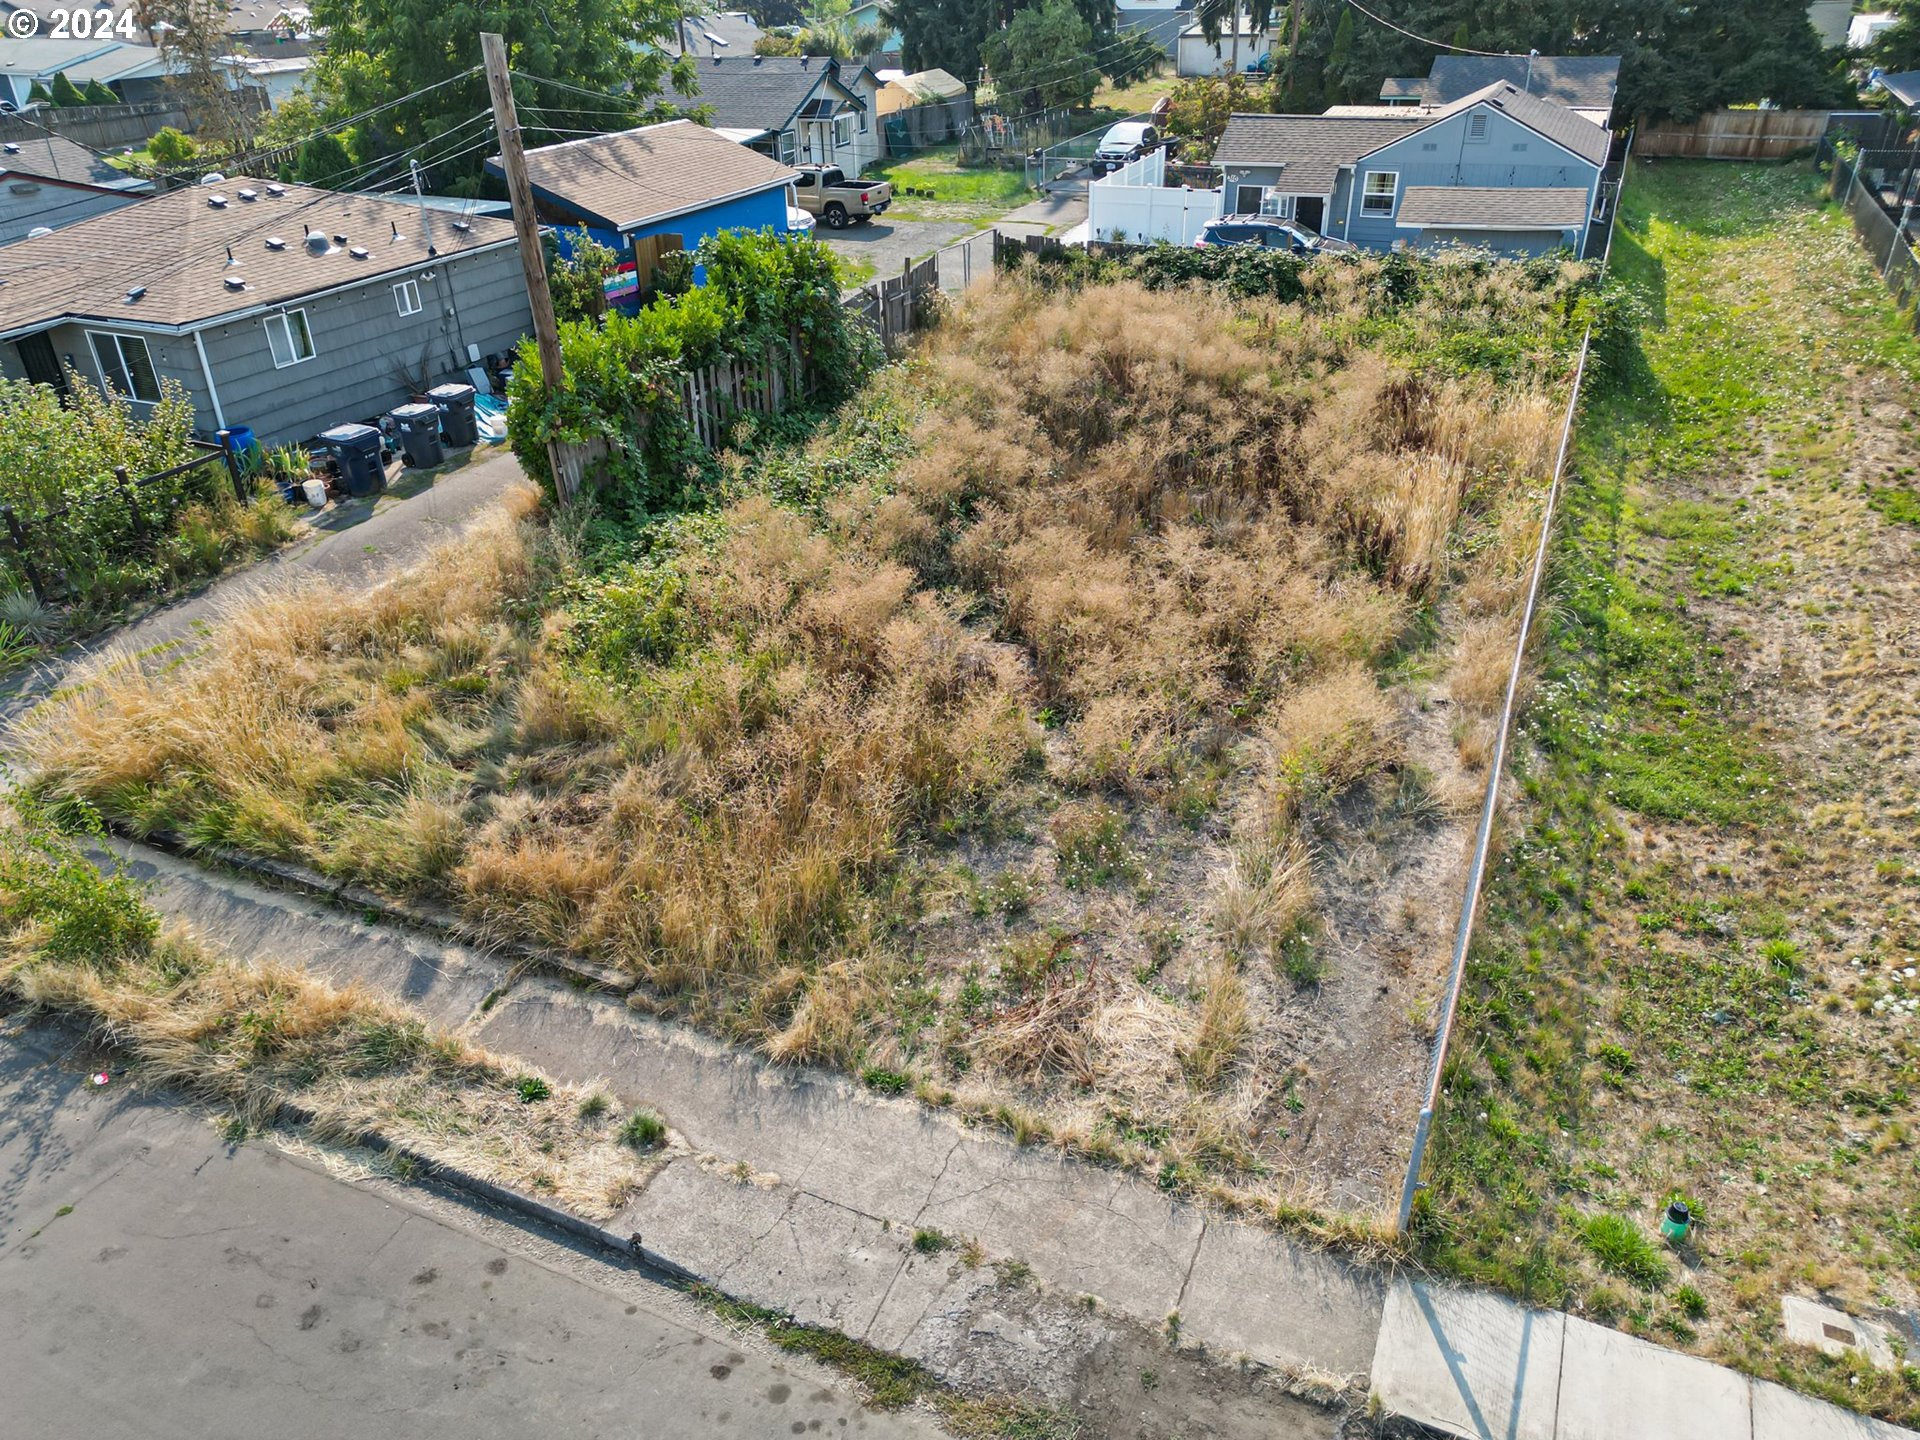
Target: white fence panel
(1134,204)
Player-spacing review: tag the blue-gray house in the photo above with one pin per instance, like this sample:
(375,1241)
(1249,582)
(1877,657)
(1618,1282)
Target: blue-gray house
(655,189)
(1499,168)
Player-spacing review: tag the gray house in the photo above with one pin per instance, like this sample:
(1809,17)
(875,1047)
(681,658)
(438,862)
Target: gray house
(1499,168)
(49,181)
(800,110)
(1586,83)
(279,307)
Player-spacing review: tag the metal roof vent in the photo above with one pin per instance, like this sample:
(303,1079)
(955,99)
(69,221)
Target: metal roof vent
(234,282)
(274,242)
(12,149)
(317,244)
(276,189)
(463,226)
(249,195)
(339,239)
(136,293)
(358,252)
(216,178)
(216,202)
(37,231)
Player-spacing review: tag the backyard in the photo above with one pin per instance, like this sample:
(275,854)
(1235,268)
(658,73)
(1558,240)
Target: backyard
(859,745)
(1695,976)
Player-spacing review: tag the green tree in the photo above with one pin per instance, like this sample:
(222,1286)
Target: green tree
(65,92)
(380,51)
(39,92)
(1202,105)
(98,94)
(1044,57)
(1339,67)
(193,39)
(578,281)
(1898,47)
(170,147)
(1132,55)
(323,161)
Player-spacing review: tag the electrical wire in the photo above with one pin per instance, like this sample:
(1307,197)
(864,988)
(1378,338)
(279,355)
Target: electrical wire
(1436,44)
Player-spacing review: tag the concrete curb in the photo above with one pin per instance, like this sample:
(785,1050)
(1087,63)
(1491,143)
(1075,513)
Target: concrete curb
(630,1248)
(435,920)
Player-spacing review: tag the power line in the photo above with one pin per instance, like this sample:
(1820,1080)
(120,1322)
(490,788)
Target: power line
(1436,44)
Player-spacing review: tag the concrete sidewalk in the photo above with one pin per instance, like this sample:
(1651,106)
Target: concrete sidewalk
(842,1179)
(1472,1364)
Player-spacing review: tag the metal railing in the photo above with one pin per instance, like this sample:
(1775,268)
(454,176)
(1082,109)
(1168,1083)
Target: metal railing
(1880,191)
(1496,763)
(43,544)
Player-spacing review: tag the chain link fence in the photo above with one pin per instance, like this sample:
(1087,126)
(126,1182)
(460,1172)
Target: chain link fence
(1880,191)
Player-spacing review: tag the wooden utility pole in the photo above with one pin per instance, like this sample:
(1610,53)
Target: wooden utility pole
(513,159)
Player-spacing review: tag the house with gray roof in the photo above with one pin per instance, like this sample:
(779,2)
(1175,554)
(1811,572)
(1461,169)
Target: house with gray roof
(279,307)
(798,109)
(1498,168)
(1586,83)
(47,181)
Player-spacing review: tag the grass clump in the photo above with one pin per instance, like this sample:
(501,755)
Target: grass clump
(1623,1248)
(643,1130)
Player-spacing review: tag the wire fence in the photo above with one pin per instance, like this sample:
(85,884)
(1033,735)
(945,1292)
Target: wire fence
(1496,763)
(1066,165)
(1880,191)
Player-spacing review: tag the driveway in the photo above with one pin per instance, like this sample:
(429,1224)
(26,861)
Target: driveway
(887,245)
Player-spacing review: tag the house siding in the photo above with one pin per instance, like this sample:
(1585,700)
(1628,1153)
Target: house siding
(26,204)
(173,358)
(362,345)
(1510,157)
(1506,242)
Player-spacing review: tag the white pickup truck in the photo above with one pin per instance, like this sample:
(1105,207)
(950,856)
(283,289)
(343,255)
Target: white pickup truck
(826,192)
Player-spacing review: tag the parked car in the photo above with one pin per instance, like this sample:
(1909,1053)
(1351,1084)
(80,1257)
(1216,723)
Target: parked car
(799,222)
(825,191)
(1270,233)
(1123,144)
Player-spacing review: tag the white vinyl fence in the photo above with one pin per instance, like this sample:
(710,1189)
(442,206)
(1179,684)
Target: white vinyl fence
(1136,206)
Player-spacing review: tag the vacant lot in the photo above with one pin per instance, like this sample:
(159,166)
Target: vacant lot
(1697,972)
(1077,730)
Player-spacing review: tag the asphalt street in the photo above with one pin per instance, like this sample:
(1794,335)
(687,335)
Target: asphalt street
(158,1282)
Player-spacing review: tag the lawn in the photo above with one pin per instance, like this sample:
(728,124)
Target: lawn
(1695,972)
(1078,728)
(957,192)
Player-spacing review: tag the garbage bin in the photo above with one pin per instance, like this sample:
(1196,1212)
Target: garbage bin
(456,414)
(420,435)
(356,449)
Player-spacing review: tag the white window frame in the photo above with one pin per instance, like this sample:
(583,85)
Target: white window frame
(1278,207)
(284,319)
(406,297)
(838,139)
(1240,199)
(118,343)
(1391,194)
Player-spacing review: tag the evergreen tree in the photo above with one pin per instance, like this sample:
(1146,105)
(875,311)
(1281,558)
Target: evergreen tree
(323,161)
(1044,57)
(1340,61)
(65,92)
(98,94)
(39,92)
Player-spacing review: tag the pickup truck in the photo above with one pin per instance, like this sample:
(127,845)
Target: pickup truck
(825,191)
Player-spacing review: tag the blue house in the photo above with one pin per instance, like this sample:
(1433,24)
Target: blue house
(647,192)
(1499,168)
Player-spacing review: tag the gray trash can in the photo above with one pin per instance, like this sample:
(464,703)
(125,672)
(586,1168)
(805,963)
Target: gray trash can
(456,414)
(356,449)
(420,435)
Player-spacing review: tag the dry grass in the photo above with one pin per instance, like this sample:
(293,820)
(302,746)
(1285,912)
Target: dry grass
(1131,626)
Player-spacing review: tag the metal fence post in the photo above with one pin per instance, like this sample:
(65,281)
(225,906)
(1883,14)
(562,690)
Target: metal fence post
(233,467)
(133,502)
(26,560)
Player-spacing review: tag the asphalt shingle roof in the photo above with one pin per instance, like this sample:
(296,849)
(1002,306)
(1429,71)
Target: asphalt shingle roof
(1581,82)
(54,157)
(1469,207)
(755,92)
(1556,122)
(1313,147)
(652,173)
(176,246)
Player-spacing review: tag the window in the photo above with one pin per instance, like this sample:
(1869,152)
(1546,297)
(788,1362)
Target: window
(406,298)
(863,122)
(125,366)
(1477,127)
(1278,206)
(1383,188)
(843,130)
(1247,199)
(289,338)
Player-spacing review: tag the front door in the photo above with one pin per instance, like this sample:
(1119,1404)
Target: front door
(1310,210)
(39,361)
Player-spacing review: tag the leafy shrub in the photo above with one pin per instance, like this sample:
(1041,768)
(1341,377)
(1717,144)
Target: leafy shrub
(643,1130)
(172,147)
(531,1088)
(77,912)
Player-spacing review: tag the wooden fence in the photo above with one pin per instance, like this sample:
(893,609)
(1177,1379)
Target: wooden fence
(1735,135)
